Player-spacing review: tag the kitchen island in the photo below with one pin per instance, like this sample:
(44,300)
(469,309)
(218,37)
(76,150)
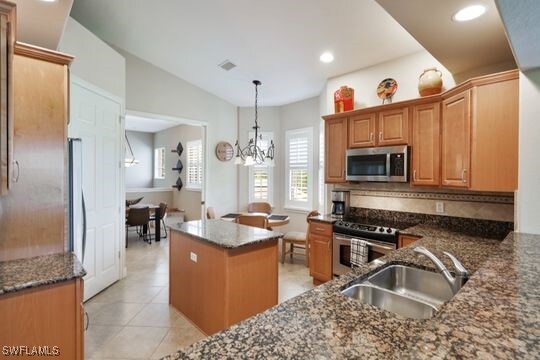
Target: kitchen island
(495,315)
(221,272)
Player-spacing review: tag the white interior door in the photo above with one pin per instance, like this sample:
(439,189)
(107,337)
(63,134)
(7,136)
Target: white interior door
(96,119)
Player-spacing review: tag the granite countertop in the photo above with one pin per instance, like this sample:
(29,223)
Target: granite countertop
(17,275)
(495,315)
(225,234)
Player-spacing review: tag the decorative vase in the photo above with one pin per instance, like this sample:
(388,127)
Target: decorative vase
(343,99)
(430,82)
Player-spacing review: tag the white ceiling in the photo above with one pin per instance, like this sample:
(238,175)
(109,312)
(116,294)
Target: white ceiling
(460,47)
(42,23)
(149,125)
(522,22)
(277,42)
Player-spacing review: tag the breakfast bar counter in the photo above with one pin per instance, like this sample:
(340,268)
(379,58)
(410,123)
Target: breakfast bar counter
(221,272)
(495,315)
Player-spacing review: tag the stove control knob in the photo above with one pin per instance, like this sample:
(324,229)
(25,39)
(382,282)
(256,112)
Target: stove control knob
(381,229)
(347,224)
(389,230)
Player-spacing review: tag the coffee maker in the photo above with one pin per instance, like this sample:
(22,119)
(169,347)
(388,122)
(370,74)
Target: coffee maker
(340,203)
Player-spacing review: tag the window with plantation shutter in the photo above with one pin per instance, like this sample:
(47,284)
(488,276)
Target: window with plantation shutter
(299,169)
(261,176)
(159,163)
(194,172)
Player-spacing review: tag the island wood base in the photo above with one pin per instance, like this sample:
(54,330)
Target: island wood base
(224,286)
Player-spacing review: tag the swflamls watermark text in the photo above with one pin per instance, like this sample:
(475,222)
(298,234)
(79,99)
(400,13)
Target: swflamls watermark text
(24,350)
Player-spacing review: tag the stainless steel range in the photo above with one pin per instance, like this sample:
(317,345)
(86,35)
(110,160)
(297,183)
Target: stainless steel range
(381,240)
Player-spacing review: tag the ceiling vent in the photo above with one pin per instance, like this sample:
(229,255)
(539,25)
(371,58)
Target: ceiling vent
(227,65)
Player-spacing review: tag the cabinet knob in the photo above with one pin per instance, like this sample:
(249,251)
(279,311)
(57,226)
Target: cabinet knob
(371,136)
(380,135)
(463,175)
(414,175)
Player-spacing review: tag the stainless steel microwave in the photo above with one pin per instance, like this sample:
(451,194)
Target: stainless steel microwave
(384,164)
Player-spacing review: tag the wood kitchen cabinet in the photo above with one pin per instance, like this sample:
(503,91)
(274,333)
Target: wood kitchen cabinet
(456,140)
(425,168)
(320,251)
(50,315)
(406,240)
(362,130)
(215,286)
(480,134)
(335,148)
(495,128)
(34,218)
(7,41)
(393,127)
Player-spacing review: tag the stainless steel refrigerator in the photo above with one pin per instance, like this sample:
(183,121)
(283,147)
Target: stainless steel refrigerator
(76,208)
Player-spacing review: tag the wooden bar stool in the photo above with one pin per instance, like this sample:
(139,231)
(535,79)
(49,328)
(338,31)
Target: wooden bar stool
(297,240)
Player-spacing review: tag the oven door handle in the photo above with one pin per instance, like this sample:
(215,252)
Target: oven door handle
(379,246)
(368,243)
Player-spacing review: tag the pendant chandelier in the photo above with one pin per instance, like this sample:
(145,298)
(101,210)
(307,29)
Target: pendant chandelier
(252,154)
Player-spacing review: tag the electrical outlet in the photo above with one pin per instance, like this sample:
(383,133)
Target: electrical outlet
(439,207)
(193,256)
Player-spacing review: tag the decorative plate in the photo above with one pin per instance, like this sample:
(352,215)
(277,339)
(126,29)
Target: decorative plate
(224,151)
(387,88)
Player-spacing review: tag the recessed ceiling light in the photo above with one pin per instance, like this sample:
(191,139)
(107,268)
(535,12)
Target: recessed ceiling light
(469,13)
(327,57)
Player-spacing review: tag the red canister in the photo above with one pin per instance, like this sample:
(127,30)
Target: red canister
(343,99)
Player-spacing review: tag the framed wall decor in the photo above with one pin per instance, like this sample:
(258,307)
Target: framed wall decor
(224,151)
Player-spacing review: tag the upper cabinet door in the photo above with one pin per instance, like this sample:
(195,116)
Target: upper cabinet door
(393,127)
(362,131)
(7,13)
(494,154)
(335,148)
(456,140)
(426,145)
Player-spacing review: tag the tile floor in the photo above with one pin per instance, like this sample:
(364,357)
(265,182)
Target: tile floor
(132,319)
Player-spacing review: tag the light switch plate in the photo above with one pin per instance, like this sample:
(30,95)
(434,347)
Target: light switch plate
(439,207)
(193,256)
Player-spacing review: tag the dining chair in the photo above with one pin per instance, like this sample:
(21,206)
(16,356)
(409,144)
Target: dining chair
(162,213)
(137,217)
(259,221)
(260,207)
(210,212)
(297,240)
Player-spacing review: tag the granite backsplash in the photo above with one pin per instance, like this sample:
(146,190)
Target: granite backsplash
(474,227)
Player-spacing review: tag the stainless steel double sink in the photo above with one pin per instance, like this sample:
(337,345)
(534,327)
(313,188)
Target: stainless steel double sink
(406,291)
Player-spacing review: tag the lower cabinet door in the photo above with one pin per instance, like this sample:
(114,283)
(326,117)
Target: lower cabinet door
(320,257)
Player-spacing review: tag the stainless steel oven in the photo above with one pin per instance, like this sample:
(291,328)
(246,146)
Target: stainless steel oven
(385,164)
(341,262)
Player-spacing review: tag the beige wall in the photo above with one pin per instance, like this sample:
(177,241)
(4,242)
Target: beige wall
(528,195)
(185,199)
(95,61)
(151,196)
(404,70)
(152,90)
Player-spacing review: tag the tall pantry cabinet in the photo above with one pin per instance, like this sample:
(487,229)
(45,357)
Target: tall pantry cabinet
(33,210)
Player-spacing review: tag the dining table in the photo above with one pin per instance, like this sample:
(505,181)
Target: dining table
(274,220)
(157,217)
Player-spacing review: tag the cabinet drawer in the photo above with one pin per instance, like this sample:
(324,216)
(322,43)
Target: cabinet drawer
(319,228)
